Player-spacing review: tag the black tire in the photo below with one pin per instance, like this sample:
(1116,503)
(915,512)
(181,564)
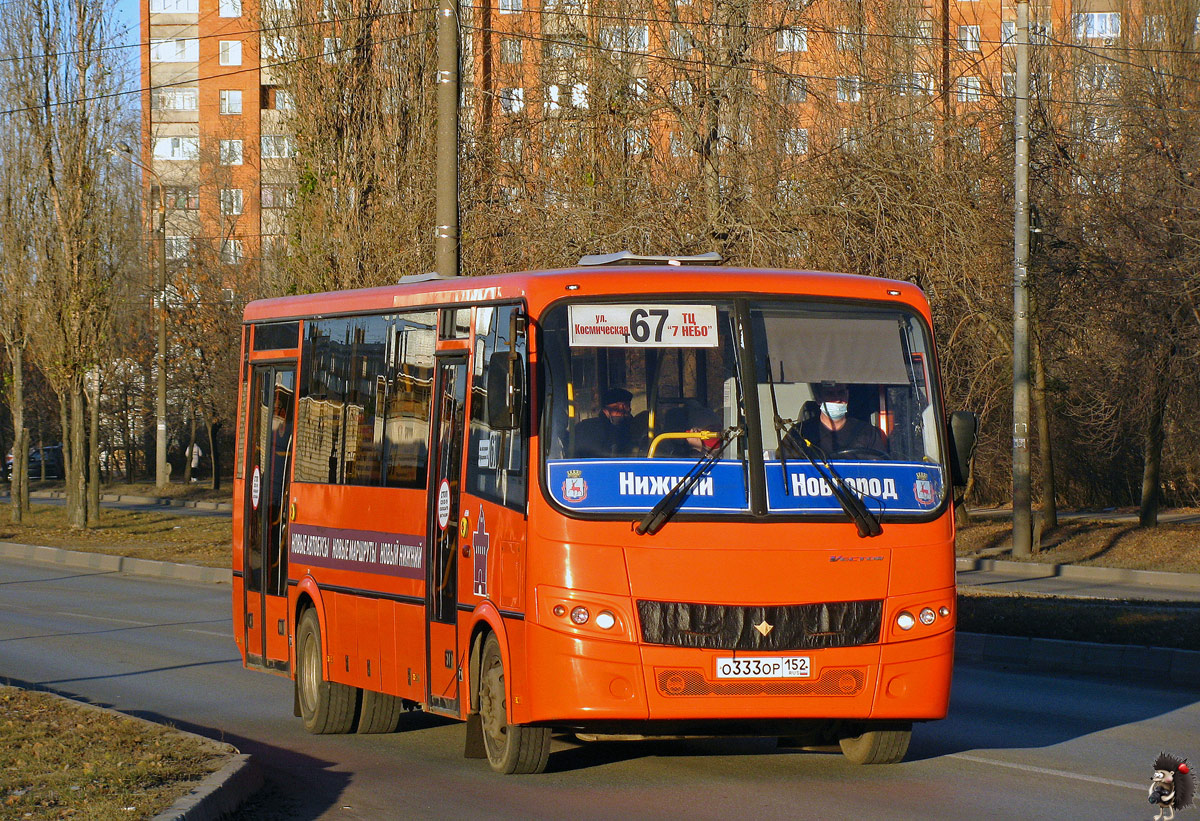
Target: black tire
(877,745)
(379,713)
(511,748)
(325,707)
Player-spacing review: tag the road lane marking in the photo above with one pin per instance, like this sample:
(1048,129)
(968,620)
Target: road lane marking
(208,632)
(102,618)
(1094,779)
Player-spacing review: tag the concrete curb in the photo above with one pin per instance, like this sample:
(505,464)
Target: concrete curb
(106,563)
(132,499)
(217,794)
(1078,572)
(1181,667)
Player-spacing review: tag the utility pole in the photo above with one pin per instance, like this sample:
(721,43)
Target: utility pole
(445,233)
(1022,519)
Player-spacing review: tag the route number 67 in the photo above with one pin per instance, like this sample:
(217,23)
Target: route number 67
(639,324)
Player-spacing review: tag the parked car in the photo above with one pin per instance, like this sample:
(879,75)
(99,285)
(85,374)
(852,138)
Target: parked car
(53,455)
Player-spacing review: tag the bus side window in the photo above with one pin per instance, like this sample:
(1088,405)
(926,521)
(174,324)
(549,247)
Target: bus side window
(496,460)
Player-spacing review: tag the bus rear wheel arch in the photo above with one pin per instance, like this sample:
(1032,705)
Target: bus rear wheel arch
(875,743)
(510,748)
(326,707)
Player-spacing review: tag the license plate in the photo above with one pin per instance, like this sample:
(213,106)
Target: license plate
(765,667)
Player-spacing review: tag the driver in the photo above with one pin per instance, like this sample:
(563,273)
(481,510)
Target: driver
(833,430)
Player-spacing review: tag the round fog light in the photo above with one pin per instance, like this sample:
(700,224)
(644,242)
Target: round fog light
(559,610)
(605,620)
(927,616)
(580,615)
(944,611)
(905,621)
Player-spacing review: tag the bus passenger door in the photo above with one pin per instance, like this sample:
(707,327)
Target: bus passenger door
(443,660)
(272,393)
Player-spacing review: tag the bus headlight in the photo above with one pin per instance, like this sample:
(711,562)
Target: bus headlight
(605,620)
(927,616)
(905,620)
(580,615)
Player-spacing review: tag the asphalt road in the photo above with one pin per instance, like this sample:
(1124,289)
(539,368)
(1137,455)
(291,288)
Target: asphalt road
(1015,745)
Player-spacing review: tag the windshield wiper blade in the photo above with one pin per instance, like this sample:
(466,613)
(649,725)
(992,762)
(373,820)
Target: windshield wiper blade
(662,512)
(866,521)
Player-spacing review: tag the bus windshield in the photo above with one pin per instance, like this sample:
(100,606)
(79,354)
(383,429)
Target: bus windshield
(636,392)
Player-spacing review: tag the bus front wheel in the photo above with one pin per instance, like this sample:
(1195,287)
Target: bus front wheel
(325,706)
(877,744)
(511,748)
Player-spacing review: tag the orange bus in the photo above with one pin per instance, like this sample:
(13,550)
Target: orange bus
(617,499)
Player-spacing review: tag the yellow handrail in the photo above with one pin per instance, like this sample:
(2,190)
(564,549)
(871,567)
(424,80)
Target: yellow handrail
(683,434)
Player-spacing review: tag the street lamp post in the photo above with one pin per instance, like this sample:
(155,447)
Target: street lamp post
(160,399)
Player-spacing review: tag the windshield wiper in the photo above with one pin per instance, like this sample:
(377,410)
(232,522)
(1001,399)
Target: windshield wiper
(662,512)
(866,521)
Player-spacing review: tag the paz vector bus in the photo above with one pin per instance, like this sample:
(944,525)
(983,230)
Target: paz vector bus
(594,500)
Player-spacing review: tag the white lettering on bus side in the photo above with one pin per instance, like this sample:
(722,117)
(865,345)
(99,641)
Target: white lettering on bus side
(864,486)
(630,484)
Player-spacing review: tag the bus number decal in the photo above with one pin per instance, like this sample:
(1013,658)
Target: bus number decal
(643,326)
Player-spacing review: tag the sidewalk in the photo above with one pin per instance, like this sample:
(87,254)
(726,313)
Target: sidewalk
(129,499)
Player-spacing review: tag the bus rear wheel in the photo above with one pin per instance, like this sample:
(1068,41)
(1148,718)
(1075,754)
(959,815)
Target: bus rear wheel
(325,706)
(379,713)
(511,748)
(877,744)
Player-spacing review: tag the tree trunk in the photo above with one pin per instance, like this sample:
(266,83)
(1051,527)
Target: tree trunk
(1045,447)
(93,461)
(18,481)
(76,473)
(1153,441)
(189,450)
(64,426)
(214,454)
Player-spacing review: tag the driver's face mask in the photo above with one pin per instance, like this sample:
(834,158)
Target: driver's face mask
(835,410)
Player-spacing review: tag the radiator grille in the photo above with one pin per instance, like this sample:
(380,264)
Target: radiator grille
(833,681)
(733,627)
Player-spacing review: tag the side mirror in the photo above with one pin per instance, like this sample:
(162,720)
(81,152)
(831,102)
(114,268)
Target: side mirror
(505,390)
(963,426)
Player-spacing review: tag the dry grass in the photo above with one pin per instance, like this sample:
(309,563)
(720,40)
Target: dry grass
(59,759)
(158,535)
(1169,547)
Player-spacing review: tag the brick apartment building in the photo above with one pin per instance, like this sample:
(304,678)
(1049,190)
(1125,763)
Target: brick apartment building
(214,115)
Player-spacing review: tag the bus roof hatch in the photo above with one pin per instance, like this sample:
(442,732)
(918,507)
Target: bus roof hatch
(629,258)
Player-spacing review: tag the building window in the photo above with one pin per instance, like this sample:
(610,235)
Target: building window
(178,247)
(968,38)
(175,99)
(1102,129)
(1008,33)
(1041,33)
(512,100)
(176,148)
(511,149)
(1008,84)
(277,147)
(848,139)
(791,40)
(1098,24)
(284,100)
(175,51)
(793,90)
(916,85)
(229,8)
(174,6)
(333,49)
(231,251)
(510,6)
(231,52)
(971,140)
(681,92)
(625,38)
(278,48)
(278,196)
(679,44)
(637,141)
(969,89)
(230,101)
(231,201)
(1154,29)
(849,89)
(795,141)
(177,198)
(849,39)
(1101,77)
(230,152)
(510,51)
(679,145)
(579,95)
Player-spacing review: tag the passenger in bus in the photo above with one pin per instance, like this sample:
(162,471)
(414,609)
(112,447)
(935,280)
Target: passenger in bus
(611,433)
(833,430)
(693,418)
